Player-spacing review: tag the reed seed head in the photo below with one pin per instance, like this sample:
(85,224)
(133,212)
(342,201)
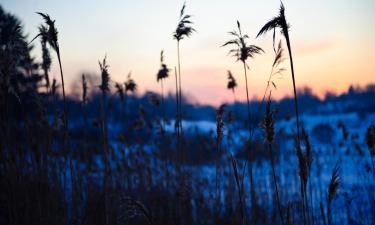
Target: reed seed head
(84,89)
(268,123)
(220,122)
(370,139)
(120,90)
(104,75)
(334,183)
(184,28)
(242,50)
(49,32)
(232,83)
(130,84)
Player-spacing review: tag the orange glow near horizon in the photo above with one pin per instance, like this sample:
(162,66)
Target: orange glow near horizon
(332,44)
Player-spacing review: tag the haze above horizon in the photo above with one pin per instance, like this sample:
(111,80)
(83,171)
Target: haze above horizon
(333,42)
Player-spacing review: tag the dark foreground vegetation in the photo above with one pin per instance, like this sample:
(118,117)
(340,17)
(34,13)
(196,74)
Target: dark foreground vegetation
(108,156)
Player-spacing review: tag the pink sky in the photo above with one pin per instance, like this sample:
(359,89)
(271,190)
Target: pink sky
(333,42)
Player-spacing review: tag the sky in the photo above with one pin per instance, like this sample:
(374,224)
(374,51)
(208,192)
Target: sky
(333,43)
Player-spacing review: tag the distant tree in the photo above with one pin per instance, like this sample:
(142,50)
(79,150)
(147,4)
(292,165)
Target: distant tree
(18,71)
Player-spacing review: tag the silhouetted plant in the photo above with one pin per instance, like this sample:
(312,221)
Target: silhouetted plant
(54,87)
(275,70)
(268,126)
(280,22)
(84,89)
(120,91)
(163,73)
(130,85)
(104,87)
(49,34)
(232,83)
(184,29)
(242,53)
(239,183)
(219,136)
(333,188)
(370,140)
(46,63)
(309,160)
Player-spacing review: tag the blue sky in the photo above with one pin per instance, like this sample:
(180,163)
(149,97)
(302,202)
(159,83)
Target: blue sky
(333,41)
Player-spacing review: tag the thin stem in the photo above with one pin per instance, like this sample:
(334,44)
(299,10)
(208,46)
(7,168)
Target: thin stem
(294,88)
(106,166)
(311,199)
(247,98)
(177,104)
(249,126)
(296,109)
(179,83)
(275,182)
(63,89)
(263,100)
(162,103)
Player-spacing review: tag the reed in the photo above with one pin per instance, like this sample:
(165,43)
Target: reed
(334,185)
(219,136)
(232,84)
(242,52)
(239,188)
(46,62)
(370,141)
(104,87)
(162,74)
(49,34)
(280,22)
(269,130)
(184,30)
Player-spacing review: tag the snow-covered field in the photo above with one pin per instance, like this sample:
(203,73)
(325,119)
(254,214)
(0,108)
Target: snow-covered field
(335,138)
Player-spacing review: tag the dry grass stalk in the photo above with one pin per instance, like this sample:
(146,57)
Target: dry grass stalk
(120,91)
(333,188)
(232,83)
(46,63)
(49,35)
(184,29)
(280,22)
(268,126)
(162,74)
(219,136)
(242,52)
(84,89)
(370,141)
(104,87)
(239,188)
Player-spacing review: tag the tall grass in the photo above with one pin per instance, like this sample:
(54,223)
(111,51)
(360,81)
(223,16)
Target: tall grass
(162,74)
(104,87)
(268,126)
(370,140)
(242,52)
(184,30)
(121,181)
(280,22)
(232,84)
(49,35)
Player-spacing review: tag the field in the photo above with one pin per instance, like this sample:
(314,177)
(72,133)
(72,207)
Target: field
(111,156)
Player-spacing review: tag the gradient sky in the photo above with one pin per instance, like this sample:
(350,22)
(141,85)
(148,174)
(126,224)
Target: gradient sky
(333,42)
